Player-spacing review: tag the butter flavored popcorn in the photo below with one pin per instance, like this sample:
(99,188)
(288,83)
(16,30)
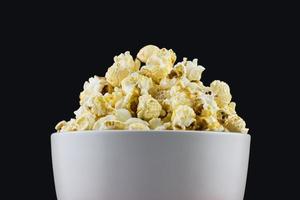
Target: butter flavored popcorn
(151,92)
(123,66)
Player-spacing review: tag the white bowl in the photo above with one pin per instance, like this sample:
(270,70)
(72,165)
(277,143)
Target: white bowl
(155,165)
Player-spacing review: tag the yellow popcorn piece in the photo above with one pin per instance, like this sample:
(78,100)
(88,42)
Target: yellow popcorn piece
(136,80)
(158,124)
(122,67)
(161,95)
(59,126)
(116,96)
(100,122)
(112,125)
(155,123)
(183,116)
(148,107)
(165,126)
(164,58)
(122,115)
(178,71)
(209,106)
(130,101)
(146,52)
(222,93)
(234,123)
(85,119)
(138,126)
(177,97)
(85,122)
(136,120)
(98,106)
(68,126)
(209,123)
(159,65)
(167,83)
(94,86)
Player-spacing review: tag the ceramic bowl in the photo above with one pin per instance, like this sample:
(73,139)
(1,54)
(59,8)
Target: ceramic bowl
(150,165)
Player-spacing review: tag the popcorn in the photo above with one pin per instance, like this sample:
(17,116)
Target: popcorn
(148,107)
(113,125)
(138,126)
(100,122)
(222,93)
(167,83)
(146,52)
(177,97)
(64,126)
(136,120)
(115,98)
(94,86)
(136,80)
(98,106)
(183,117)
(165,126)
(122,115)
(60,125)
(193,70)
(155,123)
(85,122)
(122,67)
(130,101)
(157,96)
(178,71)
(208,123)
(235,123)
(159,64)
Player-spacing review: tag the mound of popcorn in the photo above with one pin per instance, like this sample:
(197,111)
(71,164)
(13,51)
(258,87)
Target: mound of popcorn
(151,92)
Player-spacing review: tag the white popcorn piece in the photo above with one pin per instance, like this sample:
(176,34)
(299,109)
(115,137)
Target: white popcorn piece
(183,117)
(193,70)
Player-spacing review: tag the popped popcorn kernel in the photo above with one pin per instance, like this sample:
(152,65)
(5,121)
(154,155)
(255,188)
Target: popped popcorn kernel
(138,126)
(122,67)
(146,52)
(148,107)
(183,116)
(222,93)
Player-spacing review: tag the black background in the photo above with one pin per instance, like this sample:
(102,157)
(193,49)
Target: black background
(53,49)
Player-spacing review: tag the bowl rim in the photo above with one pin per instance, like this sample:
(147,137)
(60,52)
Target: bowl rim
(153,132)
